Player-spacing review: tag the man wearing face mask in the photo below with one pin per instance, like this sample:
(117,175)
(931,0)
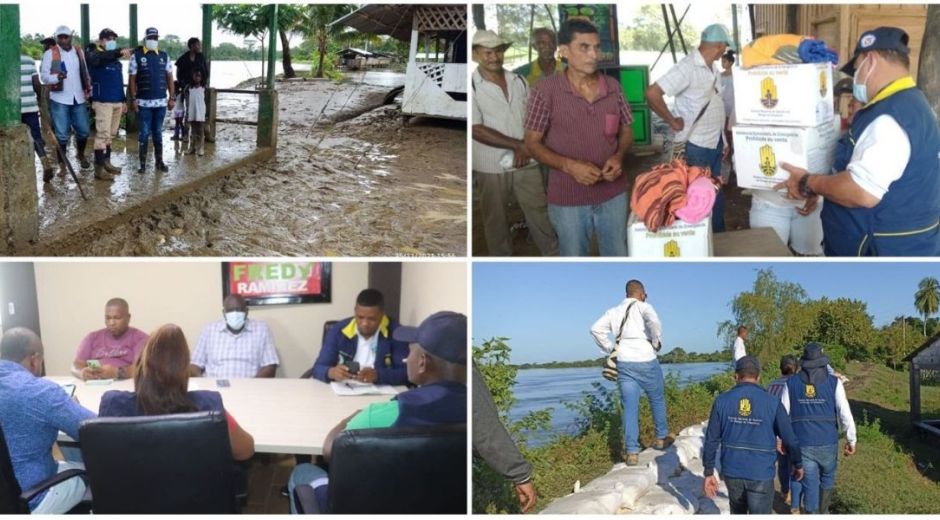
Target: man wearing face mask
(883,197)
(235,347)
(107,94)
(699,122)
(64,70)
(150,77)
(365,338)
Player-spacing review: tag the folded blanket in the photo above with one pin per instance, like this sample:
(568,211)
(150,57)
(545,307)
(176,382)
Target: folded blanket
(815,51)
(699,199)
(659,193)
(774,49)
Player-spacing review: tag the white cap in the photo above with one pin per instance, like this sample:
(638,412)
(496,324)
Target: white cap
(62,30)
(489,40)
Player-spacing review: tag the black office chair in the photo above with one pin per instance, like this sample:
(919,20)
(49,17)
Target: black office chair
(326,328)
(161,464)
(14,500)
(410,471)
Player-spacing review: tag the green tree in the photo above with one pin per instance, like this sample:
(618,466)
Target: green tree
(314,22)
(254,20)
(845,322)
(927,298)
(647,32)
(899,339)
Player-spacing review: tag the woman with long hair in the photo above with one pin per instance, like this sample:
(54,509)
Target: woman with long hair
(161,380)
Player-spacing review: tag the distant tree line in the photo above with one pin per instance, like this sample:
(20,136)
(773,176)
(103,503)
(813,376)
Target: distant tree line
(676,355)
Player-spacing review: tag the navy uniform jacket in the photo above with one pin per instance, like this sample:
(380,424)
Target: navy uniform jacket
(746,421)
(389,356)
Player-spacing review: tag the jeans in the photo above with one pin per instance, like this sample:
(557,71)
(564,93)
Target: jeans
(711,158)
(574,225)
(633,378)
(31,119)
(150,122)
(819,466)
(315,476)
(755,497)
(69,116)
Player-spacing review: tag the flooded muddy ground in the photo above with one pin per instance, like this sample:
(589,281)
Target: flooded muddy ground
(348,179)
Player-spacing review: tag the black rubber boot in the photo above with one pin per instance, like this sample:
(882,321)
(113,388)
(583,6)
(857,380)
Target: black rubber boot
(158,157)
(825,498)
(142,155)
(176,130)
(80,149)
(107,162)
(100,172)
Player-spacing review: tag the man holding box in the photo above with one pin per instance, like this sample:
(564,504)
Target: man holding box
(884,197)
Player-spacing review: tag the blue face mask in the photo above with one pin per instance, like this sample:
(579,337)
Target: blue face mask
(235,320)
(110,45)
(860,90)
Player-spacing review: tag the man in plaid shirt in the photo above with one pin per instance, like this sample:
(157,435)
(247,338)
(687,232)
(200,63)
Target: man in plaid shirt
(235,347)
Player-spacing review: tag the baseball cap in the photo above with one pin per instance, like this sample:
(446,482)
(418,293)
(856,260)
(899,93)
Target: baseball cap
(489,39)
(880,38)
(442,334)
(151,31)
(747,364)
(716,33)
(106,33)
(62,30)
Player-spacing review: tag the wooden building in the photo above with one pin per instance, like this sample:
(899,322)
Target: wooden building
(925,369)
(841,25)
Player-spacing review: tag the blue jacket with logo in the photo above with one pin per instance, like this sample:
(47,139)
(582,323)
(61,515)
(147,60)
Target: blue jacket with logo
(106,71)
(746,422)
(813,411)
(343,339)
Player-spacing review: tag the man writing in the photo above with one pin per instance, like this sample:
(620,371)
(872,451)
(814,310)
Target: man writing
(884,197)
(366,339)
(235,346)
(502,166)
(639,337)
(111,352)
(437,364)
(578,124)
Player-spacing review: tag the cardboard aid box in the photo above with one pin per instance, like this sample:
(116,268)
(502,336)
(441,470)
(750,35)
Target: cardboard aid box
(786,95)
(759,150)
(681,239)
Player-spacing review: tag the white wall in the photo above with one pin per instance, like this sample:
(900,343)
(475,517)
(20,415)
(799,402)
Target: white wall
(72,296)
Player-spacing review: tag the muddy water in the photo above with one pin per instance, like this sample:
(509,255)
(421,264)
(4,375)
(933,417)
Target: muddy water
(341,184)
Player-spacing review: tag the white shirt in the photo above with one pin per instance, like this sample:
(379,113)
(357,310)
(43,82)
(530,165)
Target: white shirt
(365,350)
(880,156)
(641,331)
(493,110)
(197,104)
(693,83)
(846,420)
(72,92)
(738,349)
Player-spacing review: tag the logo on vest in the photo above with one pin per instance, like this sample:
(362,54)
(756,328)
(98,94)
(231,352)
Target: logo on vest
(768,93)
(768,161)
(810,391)
(143,60)
(744,407)
(671,249)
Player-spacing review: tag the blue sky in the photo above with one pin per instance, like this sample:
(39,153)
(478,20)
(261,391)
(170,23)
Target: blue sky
(547,309)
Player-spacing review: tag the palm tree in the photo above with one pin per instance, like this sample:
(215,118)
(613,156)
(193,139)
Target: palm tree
(314,23)
(927,298)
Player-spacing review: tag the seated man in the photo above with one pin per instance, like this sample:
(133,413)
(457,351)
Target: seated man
(114,349)
(366,338)
(437,363)
(235,347)
(32,412)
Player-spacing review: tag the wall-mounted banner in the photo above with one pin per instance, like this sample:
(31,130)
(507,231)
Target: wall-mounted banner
(276,283)
(604,16)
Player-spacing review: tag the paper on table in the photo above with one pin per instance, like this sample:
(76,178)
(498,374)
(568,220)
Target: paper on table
(357,388)
(99,382)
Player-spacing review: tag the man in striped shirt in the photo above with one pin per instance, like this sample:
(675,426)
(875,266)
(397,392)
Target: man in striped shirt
(30,88)
(578,124)
(235,347)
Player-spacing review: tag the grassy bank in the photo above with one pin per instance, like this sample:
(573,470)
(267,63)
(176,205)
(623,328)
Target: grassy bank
(896,470)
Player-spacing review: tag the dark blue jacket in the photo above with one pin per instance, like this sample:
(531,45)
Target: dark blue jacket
(106,71)
(151,73)
(746,421)
(389,356)
(905,222)
(444,402)
(118,403)
(813,411)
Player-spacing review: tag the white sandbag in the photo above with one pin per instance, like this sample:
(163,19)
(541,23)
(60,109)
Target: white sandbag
(689,448)
(596,502)
(666,500)
(632,481)
(696,467)
(696,430)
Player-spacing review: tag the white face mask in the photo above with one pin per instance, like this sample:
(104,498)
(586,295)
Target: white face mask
(151,44)
(235,320)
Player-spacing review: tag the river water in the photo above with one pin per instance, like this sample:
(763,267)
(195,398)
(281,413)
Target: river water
(541,388)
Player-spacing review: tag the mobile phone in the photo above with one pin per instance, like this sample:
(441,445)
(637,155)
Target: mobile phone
(70,389)
(93,363)
(353,366)
(222,383)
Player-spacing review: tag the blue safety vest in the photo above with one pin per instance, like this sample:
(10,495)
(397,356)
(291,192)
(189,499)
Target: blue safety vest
(444,402)
(813,410)
(905,222)
(748,440)
(151,74)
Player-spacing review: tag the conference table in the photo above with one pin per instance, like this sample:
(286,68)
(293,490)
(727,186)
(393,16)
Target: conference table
(290,416)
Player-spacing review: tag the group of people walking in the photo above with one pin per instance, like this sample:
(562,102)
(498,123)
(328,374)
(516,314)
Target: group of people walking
(69,78)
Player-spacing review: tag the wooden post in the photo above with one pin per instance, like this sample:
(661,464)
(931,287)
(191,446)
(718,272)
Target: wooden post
(130,119)
(272,47)
(86,26)
(212,98)
(10,66)
(207,39)
(915,392)
(267,118)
